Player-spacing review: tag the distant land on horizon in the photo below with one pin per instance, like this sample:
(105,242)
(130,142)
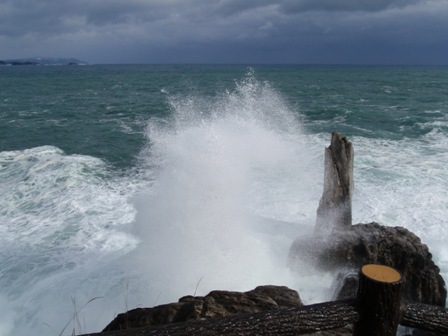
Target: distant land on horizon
(43,61)
(75,61)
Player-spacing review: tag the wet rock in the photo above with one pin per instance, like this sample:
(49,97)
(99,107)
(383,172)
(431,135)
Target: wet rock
(215,304)
(345,286)
(361,244)
(335,206)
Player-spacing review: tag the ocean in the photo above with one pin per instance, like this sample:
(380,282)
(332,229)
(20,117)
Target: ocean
(125,186)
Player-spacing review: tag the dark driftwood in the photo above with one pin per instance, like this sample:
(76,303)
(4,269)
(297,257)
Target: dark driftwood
(378,301)
(426,317)
(335,206)
(287,322)
(295,321)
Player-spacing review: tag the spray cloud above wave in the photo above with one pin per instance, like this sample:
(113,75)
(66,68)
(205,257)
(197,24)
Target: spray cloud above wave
(224,165)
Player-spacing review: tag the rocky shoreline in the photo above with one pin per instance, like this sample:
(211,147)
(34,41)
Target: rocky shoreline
(215,305)
(337,247)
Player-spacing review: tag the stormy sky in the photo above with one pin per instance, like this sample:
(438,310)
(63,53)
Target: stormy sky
(227,31)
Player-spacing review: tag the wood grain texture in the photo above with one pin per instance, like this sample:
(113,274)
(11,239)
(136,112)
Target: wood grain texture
(378,303)
(283,322)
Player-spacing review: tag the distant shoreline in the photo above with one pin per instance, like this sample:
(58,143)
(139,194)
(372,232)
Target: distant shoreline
(42,61)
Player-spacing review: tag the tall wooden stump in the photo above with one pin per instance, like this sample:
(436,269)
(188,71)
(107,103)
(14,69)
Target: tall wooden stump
(378,301)
(335,206)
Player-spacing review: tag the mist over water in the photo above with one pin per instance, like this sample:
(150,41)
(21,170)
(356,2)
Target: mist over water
(222,185)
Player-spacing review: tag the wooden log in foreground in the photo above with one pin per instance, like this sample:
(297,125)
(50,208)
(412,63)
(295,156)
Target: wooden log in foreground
(426,317)
(378,301)
(287,322)
(310,318)
(377,310)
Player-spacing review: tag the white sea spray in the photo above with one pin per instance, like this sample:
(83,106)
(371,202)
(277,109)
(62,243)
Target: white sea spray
(224,164)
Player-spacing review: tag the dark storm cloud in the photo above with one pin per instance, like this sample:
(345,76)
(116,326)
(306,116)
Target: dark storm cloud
(36,16)
(229,7)
(225,30)
(294,6)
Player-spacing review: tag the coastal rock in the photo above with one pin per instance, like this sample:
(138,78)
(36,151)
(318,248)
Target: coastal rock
(345,285)
(215,304)
(343,249)
(335,206)
(360,244)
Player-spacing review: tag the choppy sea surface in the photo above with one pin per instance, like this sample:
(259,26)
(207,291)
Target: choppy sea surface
(131,186)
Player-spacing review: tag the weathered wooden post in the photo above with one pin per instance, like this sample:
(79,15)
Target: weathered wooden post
(378,301)
(335,206)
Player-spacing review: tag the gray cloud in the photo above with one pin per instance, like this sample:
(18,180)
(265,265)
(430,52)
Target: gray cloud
(226,30)
(35,16)
(294,6)
(232,7)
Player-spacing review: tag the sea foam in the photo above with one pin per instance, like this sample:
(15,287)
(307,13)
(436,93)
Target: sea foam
(61,220)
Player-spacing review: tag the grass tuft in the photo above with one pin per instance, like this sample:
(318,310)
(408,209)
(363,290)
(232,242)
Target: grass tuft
(75,317)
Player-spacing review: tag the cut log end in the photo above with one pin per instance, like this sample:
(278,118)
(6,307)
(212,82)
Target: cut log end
(381,273)
(379,299)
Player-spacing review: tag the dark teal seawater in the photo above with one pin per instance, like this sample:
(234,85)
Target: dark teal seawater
(102,110)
